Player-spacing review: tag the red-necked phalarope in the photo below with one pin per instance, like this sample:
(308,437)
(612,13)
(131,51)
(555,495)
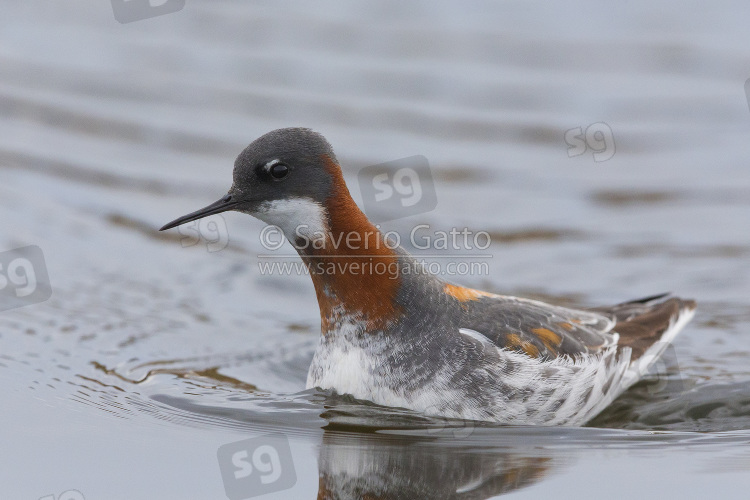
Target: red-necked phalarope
(417,342)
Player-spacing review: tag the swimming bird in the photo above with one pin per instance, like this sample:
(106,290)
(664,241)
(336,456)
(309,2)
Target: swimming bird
(415,341)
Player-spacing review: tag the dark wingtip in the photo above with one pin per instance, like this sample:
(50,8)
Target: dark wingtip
(651,298)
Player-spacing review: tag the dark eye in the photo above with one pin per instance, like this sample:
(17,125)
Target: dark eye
(279,171)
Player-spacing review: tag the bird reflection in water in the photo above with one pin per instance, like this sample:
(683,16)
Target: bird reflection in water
(355,465)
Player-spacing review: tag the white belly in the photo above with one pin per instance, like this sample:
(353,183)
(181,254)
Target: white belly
(554,390)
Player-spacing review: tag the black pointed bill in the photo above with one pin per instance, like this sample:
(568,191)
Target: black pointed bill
(217,207)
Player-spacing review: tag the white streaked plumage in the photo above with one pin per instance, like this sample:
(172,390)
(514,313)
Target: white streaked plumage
(560,391)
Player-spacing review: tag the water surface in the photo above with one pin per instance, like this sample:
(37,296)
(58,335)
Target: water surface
(155,349)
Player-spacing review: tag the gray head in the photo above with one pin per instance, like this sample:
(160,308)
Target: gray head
(283,175)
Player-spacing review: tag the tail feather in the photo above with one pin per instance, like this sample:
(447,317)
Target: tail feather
(645,322)
(647,326)
(641,364)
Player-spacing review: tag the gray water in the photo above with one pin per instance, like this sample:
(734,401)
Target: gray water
(156,349)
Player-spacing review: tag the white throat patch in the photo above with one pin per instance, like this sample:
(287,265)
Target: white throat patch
(295,217)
